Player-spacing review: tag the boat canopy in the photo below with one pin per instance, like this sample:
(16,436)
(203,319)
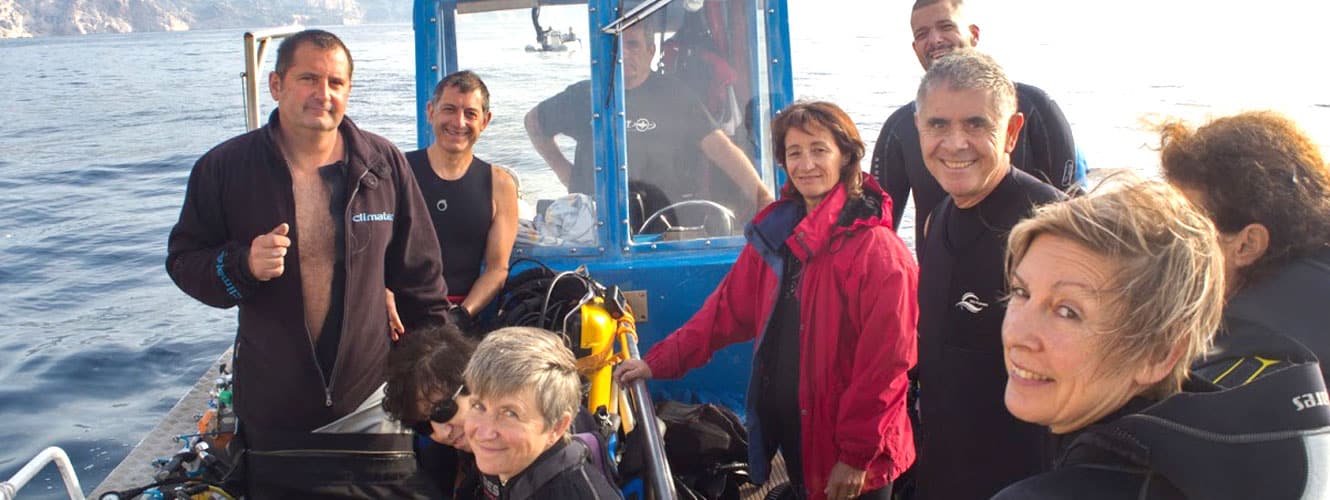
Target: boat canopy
(648,204)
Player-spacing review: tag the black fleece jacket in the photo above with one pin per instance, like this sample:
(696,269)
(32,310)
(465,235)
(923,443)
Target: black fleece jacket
(241,189)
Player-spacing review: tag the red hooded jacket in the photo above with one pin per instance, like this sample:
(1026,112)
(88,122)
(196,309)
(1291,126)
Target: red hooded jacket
(858,300)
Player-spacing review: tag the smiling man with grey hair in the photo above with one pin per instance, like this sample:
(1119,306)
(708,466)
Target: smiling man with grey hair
(968,125)
(1044,147)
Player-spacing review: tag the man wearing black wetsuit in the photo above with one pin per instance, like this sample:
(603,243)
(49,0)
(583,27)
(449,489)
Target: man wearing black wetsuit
(970,447)
(473,204)
(1044,148)
(474,209)
(669,133)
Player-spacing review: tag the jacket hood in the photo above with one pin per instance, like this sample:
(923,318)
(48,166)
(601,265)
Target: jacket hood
(1267,439)
(817,232)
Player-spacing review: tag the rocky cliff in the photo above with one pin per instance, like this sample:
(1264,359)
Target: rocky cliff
(26,18)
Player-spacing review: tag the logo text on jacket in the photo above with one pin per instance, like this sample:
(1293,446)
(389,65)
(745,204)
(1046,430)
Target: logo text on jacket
(367,217)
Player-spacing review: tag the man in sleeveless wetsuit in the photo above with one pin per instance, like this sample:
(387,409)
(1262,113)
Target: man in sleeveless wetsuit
(1044,148)
(473,204)
(970,447)
(302,224)
(669,133)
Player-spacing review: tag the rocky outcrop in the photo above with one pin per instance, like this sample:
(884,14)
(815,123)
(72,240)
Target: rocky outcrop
(13,20)
(22,18)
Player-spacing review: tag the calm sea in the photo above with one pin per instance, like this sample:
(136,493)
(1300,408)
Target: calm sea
(97,135)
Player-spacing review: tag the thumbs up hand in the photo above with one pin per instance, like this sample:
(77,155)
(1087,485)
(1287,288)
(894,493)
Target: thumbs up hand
(267,253)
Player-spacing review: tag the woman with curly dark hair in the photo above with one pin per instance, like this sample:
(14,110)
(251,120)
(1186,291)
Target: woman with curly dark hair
(1266,187)
(423,391)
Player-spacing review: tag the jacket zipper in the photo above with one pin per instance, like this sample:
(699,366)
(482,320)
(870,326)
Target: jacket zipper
(313,355)
(328,384)
(309,338)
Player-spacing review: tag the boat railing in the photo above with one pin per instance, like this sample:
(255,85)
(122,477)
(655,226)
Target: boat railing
(256,45)
(9,489)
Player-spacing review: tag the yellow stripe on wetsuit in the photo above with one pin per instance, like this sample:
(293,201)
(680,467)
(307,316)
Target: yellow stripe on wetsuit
(1264,363)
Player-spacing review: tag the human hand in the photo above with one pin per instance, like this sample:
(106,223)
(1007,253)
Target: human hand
(448,434)
(267,253)
(461,318)
(845,482)
(395,326)
(632,370)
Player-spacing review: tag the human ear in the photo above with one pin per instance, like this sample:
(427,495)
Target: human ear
(1014,125)
(1155,370)
(274,84)
(1251,243)
(560,427)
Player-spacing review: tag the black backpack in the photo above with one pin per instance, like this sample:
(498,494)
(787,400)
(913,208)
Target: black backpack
(706,446)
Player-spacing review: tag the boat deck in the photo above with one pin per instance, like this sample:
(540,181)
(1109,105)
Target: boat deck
(136,470)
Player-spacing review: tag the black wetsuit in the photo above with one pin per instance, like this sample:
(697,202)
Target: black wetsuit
(463,211)
(1266,439)
(1044,149)
(969,445)
(1265,322)
(664,122)
(778,362)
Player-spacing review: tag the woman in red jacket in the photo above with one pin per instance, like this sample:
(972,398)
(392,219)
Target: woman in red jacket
(824,284)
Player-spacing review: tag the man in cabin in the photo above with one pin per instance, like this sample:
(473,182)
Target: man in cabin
(302,224)
(970,447)
(473,204)
(1044,148)
(669,134)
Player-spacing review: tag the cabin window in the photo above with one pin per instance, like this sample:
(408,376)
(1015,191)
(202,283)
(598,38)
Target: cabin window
(691,144)
(536,64)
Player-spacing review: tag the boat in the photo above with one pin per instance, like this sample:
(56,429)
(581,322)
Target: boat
(733,54)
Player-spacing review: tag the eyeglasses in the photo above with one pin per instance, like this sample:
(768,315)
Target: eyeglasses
(445,410)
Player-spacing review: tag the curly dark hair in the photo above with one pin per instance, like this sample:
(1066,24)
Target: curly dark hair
(428,363)
(1254,168)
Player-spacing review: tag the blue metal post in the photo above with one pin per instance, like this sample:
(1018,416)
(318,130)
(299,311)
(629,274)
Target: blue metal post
(606,123)
(436,55)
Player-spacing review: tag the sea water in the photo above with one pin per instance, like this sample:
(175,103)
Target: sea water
(98,133)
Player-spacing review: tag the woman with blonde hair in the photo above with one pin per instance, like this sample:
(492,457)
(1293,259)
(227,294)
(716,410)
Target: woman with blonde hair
(1112,297)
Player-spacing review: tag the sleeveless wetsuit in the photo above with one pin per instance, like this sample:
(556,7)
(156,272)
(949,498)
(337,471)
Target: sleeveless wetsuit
(970,446)
(463,211)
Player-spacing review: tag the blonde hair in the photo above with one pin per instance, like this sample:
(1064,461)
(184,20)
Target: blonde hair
(1167,291)
(516,359)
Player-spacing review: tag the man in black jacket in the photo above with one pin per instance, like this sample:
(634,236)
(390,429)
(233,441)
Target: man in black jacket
(302,223)
(1044,148)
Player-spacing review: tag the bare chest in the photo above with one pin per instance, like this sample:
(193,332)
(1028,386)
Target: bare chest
(315,215)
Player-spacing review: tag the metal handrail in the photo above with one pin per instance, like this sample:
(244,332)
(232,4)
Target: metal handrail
(645,413)
(256,45)
(9,489)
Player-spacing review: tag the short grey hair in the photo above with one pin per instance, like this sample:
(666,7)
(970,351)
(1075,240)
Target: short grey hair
(968,69)
(516,359)
(1168,289)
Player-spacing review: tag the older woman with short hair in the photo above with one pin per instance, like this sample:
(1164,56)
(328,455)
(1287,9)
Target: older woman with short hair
(1112,296)
(525,392)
